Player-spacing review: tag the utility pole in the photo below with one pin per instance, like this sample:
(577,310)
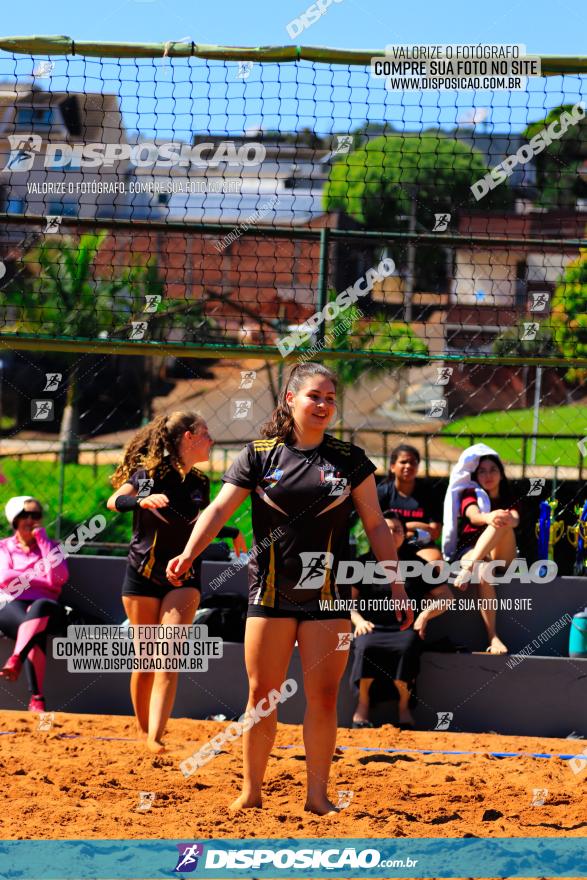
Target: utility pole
(409,283)
(403,372)
(536,414)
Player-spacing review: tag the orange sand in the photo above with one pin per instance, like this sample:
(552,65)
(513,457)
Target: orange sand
(64,788)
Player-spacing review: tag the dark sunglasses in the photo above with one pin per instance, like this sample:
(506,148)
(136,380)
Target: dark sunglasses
(30,514)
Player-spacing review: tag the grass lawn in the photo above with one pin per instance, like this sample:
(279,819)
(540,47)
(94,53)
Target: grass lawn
(85,495)
(554,420)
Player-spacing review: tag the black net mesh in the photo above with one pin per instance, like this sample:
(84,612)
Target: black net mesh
(170,226)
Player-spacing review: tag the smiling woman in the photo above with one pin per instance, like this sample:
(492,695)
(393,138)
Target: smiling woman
(480,518)
(303,485)
(28,564)
(159,482)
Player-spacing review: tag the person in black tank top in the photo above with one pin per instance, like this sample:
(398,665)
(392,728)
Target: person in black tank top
(400,493)
(303,484)
(159,482)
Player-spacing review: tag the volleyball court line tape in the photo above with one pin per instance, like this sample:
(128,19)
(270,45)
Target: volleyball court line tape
(75,736)
(449,752)
(347,748)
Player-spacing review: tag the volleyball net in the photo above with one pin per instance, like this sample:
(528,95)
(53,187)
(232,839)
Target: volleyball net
(188,204)
(221,199)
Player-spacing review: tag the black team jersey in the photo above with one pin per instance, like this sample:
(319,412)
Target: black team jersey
(301,503)
(410,508)
(159,535)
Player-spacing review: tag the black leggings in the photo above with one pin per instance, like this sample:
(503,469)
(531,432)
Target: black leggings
(28,623)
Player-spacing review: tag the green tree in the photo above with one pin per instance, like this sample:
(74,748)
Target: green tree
(60,298)
(569,315)
(396,176)
(557,179)
(375,184)
(350,332)
(63,297)
(525,340)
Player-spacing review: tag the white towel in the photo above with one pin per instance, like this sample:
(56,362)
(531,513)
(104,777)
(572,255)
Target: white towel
(460,479)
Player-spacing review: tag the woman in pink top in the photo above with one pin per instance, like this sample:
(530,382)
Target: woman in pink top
(32,572)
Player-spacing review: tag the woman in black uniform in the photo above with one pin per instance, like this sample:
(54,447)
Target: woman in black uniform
(301,481)
(157,480)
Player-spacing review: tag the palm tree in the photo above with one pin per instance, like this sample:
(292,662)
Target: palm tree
(65,299)
(62,299)
(529,339)
(348,332)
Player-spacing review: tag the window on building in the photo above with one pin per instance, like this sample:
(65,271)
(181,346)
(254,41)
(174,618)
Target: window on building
(521,296)
(34,118)
(15,206)
(63,209)
(70,111)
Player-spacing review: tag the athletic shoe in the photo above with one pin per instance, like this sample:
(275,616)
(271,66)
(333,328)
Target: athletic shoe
(12,667)
(37,703)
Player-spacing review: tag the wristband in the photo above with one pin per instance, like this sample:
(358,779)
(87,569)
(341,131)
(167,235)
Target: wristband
(126,502)
(228,532)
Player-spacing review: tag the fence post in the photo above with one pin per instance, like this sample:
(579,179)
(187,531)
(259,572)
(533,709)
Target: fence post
(322,283)
(524,452)
(61,491)
(427,454)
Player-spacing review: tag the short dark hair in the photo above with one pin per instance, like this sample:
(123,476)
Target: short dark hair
(403,447)
(395,517)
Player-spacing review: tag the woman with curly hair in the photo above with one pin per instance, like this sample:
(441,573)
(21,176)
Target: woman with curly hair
(157,480)
(303,484)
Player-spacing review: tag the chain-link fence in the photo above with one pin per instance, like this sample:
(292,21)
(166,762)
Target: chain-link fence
(180,224)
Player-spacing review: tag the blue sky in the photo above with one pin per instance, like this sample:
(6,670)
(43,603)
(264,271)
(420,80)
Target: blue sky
(158,100)
(543,26)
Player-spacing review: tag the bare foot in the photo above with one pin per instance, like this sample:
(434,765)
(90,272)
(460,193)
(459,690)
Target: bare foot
(142,735)
(497,646)
(155,746)
(246,803)
(463,578)
(321,807)
(406,717)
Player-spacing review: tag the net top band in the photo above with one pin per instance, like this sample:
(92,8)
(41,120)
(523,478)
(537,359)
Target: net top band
(552,65)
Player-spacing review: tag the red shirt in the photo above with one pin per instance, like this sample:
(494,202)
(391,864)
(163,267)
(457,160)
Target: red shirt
(468,533)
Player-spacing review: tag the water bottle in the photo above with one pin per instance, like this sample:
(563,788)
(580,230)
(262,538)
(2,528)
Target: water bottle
(578,635)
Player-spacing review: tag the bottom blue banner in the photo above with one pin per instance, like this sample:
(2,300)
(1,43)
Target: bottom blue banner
(290,858)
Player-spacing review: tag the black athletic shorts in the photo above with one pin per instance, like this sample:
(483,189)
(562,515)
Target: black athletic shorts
(460,552)
(136,585)
(298,614)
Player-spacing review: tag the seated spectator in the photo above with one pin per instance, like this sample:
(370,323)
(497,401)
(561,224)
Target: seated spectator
(31,577)
(480,518)
(381,649)
(400,494)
